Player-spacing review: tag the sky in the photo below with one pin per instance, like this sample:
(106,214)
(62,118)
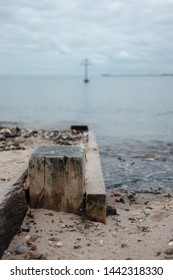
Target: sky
(53,37)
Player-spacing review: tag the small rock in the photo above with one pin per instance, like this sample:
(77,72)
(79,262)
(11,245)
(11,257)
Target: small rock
(132,219)
(124,245)
(43,257)
(32,255)
(56,239)
(170,243)
(143,228)
(21,249)
(25,229)
(169,251)
(131,196)
(30,215)
(110,211)
(122,200)
(33,237)
(27,237)
(77,246)
(146,202)
(59,244)
(32,246)
(117,194)
(168,195)
(50,214)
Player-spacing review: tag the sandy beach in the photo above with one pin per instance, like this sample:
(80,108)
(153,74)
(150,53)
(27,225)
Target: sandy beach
(141,229)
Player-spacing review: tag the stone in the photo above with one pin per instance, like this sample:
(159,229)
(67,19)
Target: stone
(21,249)
(110,211)
(32,255)
(32,246)
(170,243)
(55,239)
(59,244)
(43,257)
(33,238)
(77,246)
(169,251)
(56,178)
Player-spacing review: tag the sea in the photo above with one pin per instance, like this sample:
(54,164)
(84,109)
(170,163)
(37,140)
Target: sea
(132,117)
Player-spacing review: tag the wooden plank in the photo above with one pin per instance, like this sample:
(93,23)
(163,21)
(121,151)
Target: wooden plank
(94,185)
(13,207)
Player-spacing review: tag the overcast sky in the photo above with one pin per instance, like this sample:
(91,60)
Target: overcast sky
(54,36)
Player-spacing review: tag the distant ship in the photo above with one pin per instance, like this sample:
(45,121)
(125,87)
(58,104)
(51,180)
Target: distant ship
(106,75)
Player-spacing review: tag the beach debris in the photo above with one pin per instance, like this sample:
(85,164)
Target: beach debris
(13,138)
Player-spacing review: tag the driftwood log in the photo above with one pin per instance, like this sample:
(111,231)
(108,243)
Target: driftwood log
(13,207)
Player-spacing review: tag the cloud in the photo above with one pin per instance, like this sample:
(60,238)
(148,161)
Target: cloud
(54,36)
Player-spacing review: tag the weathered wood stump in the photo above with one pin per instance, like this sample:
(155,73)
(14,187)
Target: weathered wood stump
(13,207)
(56,178)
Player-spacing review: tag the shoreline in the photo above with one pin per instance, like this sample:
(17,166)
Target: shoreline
(141,229)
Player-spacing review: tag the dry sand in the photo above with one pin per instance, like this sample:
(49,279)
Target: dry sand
(142,228)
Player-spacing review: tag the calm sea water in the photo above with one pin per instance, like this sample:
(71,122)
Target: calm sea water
(122,111)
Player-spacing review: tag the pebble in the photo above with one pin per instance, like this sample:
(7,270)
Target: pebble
(124,245)
(59,244)
(32,246)
(33,237)
(110,211)
(170,243)
(122,200)
(117,194)
(21,249)
(169,251)
(56,239)
(77,246)
(43,257)
(32,255)
(26,229)
(30,215)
